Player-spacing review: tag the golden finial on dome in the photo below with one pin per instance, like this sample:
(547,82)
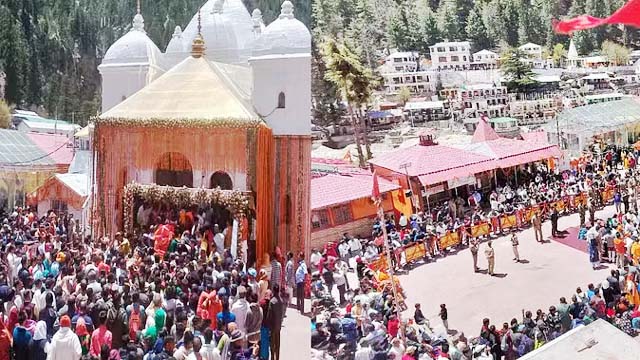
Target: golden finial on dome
(138,6)
(197,47)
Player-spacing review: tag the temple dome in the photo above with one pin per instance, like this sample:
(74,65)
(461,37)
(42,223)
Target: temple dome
(218,32)
(286,35)
(134,47)
(177,43)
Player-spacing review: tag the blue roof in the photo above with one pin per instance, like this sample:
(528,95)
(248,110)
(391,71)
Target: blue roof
(379,114)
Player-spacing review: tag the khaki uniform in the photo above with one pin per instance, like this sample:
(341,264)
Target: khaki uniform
(490,254)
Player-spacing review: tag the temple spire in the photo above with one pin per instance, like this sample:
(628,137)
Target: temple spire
(138,7)
(197,47)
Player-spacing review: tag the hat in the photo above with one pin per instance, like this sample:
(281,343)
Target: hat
(605,284)
(236,335)
(65,321)
(252,272)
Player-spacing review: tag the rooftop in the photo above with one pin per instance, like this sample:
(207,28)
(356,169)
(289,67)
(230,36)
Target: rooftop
(336,189)
(18,150)
(57,146)
(598,118)
(597,341)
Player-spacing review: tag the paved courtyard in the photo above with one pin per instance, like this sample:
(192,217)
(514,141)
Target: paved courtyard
(551,270)
(295,338)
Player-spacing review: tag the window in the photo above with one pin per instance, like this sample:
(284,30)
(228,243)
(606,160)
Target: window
(397,59)
(59,206)
(442,59)
(452,48)
(281,101)
(464,58)
(341,214)
(320,219)
(455,58)
(440,49)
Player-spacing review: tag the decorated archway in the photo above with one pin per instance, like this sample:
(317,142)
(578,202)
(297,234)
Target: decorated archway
(222,180)
(173,169)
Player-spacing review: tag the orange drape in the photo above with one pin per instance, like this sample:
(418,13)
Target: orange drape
(264,190)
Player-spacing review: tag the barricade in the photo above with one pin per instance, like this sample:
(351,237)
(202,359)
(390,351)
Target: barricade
(449,239)
(508,222)
(414,252)
(381,263)
(480,230)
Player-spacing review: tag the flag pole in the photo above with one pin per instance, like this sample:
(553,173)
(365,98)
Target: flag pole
(375,194)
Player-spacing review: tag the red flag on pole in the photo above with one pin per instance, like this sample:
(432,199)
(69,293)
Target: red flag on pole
(375,191)
(629,14)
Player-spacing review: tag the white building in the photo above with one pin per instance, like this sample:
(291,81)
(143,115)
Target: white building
(232,36)
(533,51)
(402,70)
(487,99)
(418,82)
(485,59)
(403,61)
(451,55)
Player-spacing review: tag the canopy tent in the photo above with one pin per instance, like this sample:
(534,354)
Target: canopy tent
(598,118)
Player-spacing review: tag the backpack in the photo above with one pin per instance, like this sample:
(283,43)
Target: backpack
(134,323)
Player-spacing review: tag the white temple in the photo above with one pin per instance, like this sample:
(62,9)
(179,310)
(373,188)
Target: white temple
(263,62)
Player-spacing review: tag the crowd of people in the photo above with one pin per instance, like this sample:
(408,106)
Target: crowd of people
(68,297)
(364,320)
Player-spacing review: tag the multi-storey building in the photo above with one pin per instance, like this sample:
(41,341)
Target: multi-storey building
(450,55)
(484,59)
(403,61)
(483,99)
(534,110)
(402,70)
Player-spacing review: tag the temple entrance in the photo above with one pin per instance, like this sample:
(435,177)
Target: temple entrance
(191,214)
(174,169)
(221,179)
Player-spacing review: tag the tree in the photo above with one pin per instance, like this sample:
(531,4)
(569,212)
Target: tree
(355,83)
(601,9)
(405,30)
(5,115)
(448,21)
(518,74)
(510,19)
(404,95)
(531,27)
(476,30)
(616,54)
(558,53)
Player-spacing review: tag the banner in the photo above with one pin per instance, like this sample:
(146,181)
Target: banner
(629,14)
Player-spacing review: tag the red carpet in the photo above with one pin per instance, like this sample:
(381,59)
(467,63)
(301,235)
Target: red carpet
(571,239)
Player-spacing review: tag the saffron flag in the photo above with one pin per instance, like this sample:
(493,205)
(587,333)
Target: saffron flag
(375,191)
(629,14)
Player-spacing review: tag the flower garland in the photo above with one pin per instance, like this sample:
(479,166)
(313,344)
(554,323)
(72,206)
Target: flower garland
(233,123)
(236,201)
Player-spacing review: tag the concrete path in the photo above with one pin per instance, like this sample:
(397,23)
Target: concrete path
(551,270)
